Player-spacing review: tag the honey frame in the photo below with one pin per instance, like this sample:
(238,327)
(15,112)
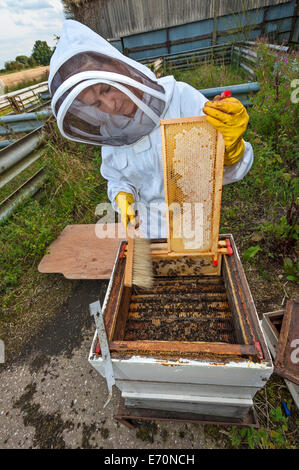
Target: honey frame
(216,203)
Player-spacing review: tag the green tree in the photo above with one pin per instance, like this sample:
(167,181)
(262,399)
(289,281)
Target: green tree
(12,65)
(32,62)
(22,59)
(42,52)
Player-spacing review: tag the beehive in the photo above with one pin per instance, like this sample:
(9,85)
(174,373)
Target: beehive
(193,342)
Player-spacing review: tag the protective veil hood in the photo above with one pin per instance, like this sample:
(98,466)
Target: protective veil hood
(99,96)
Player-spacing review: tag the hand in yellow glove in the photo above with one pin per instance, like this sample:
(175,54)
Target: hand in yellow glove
(124,202)
(230,117)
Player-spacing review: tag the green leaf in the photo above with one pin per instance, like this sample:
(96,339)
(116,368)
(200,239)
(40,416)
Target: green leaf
(251,252)
(288,263)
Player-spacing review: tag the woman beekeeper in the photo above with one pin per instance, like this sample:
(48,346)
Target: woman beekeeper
(101,97)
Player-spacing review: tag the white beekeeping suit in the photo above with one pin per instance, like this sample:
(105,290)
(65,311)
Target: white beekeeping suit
(131,153)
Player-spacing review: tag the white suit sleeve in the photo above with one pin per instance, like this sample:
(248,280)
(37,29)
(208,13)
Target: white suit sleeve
(192,104)
(236,172)
(115,179)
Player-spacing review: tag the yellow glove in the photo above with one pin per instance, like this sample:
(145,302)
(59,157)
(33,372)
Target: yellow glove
(230,117)
(124,202)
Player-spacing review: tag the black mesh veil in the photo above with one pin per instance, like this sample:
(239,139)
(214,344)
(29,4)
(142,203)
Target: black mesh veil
(104,101)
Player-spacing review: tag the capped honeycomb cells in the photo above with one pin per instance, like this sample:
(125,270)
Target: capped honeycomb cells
(190,149)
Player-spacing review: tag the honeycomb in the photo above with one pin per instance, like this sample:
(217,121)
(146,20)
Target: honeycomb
(190,150)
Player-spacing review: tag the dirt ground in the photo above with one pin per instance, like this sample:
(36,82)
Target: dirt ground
(50,397)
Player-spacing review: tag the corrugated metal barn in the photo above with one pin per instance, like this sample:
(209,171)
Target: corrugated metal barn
(150,28)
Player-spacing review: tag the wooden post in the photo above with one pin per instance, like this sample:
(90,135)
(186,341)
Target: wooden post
(14,104)
(263,25)
(168,41)
(216,14)
(294,22)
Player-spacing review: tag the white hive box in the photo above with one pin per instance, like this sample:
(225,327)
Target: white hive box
(214,377)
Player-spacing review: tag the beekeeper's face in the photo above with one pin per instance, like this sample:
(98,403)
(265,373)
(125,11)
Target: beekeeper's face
(110,103)
(108,100)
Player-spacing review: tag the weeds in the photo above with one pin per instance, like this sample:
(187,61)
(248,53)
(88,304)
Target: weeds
(26,83)
(208,75)
(73,191)
(274,121)
(276,431)
(244,20)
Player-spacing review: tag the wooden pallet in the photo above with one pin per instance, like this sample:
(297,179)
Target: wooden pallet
(131,416)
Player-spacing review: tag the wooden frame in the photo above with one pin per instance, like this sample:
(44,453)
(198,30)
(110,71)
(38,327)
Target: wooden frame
(182,347)
(287,344)
(216,205)
(129,263)
(161,250)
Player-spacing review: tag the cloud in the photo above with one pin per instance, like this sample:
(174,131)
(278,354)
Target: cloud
(21,5)
(22,22)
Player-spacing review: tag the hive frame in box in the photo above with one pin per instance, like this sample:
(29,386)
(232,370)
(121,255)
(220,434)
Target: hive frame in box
(240,299)
(215,379)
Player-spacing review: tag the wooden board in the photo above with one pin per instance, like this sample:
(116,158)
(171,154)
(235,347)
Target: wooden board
(182,347)
(286,360)
(78,253)
(128,416)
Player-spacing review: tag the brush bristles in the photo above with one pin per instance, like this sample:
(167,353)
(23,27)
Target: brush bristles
(142,264)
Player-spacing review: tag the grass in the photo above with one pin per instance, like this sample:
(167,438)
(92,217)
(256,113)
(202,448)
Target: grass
(274,121)
(73,190)
(8,72)
(261,211)
(276,430)
(210,76)
(16,182)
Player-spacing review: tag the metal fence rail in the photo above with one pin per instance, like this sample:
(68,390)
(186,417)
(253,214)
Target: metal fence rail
(22,194)
(242,92)
(242,54)
(16,158)
(245,56)
(192,59)
(5,143)
(26,122)
(23,100)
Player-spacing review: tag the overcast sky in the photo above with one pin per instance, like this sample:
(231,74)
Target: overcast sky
(22,22)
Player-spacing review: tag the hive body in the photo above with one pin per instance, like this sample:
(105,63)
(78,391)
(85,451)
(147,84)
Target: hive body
(188,343)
